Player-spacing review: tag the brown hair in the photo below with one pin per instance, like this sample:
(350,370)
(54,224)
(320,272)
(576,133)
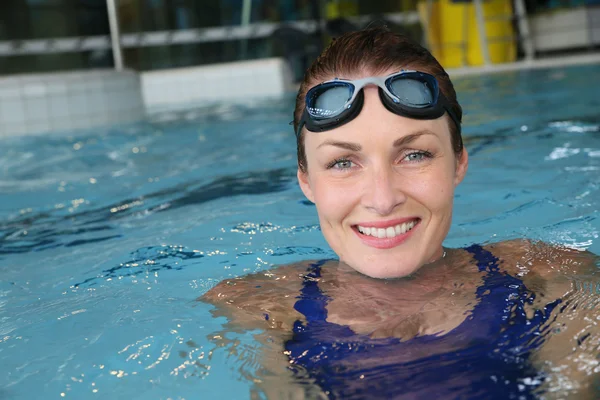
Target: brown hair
(376,50)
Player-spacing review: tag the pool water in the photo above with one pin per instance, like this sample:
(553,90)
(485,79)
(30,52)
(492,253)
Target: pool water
(108,237)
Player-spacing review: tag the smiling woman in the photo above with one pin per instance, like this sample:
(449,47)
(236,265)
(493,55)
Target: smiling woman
(380,154)
(403,164)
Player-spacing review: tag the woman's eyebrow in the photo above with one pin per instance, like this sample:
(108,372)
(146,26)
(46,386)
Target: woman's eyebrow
(397,143)
(412,137)
(344,145)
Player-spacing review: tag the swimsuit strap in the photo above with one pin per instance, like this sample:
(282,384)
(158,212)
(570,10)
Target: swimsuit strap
(486,261)
(501,285)
(312,303)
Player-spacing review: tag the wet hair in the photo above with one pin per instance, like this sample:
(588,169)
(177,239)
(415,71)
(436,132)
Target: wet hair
(376,50)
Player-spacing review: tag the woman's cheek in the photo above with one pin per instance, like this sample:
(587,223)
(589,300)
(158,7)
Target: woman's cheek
(334,201)
(329,198)
(435,195)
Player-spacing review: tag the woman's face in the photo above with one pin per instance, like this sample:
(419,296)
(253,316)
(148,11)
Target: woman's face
(383,186)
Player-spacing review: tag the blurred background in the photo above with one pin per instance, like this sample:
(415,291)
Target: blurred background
(58,35)
(153,46)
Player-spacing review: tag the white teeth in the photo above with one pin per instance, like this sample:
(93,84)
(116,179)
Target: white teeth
(389,232)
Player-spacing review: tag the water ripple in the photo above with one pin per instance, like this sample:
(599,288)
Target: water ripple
(54,228)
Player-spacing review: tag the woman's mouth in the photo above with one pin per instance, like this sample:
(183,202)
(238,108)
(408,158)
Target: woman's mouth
(389,232)
(385,235)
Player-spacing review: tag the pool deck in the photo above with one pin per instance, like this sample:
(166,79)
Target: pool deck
(538,63)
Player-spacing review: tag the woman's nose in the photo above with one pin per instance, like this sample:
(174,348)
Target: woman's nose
(383,191)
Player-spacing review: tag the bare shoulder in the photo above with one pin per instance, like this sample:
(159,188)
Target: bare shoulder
(263,300)
(545,259)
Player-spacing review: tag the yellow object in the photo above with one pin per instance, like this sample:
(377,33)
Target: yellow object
(453,35)
(341,8)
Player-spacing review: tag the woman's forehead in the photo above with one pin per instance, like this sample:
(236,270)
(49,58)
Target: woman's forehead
(376,130)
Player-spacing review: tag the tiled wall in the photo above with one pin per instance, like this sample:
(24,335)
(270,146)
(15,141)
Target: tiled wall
(34,104)
(180,88)
(566,29)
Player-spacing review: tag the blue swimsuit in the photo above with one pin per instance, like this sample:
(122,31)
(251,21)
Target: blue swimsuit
(485,357)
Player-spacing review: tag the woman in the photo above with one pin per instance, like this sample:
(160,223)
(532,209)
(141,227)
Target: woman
(380,153)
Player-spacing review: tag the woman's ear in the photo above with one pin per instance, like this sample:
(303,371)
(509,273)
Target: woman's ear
(304,183)
(462,165)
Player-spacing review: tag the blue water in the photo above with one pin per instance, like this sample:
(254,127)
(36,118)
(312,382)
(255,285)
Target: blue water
(108,237)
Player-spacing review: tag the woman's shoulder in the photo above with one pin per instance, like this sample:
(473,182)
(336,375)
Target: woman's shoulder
(281,278)
(263,300)
(545,259)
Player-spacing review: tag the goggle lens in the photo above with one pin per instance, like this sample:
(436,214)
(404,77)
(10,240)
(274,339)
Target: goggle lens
(412,92)
(328,100)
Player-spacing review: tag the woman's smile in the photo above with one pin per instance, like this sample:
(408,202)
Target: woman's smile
(386,234)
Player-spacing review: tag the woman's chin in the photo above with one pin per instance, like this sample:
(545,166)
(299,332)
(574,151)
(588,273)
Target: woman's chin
(382,270)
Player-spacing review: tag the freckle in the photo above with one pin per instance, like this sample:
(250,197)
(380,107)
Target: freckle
(191,343)
(183,354)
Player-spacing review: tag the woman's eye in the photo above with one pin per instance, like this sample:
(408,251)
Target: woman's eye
(341,164)
(417,156)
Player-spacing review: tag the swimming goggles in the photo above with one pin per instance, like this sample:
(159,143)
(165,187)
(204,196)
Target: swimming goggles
(412,94)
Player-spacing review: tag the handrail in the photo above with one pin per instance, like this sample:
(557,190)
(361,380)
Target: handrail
(115,38)
(173,37)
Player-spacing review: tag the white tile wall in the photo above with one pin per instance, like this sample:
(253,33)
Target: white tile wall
(59,106)
(36,108)
(34,104)
(560,29)
(178,88)
(12,110)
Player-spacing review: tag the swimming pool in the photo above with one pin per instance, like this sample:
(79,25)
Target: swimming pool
(110,236)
